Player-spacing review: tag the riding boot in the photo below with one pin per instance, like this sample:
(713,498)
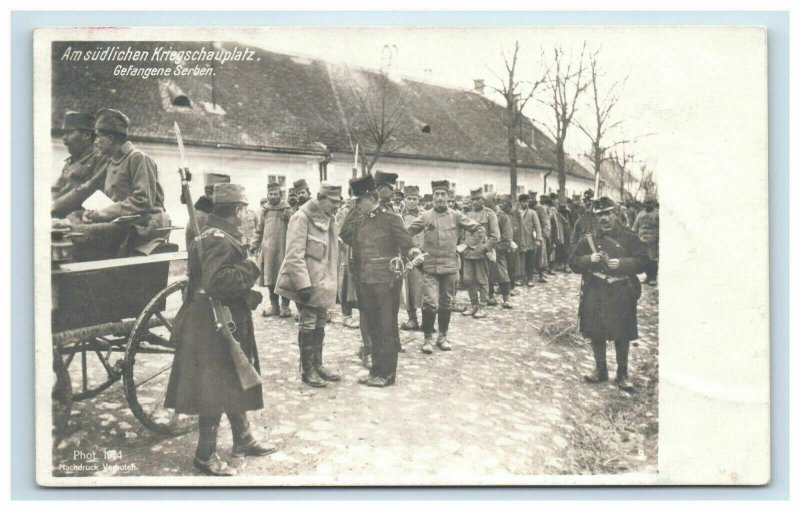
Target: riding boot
(601,367)
(324,373)
(207,439)
(428,319)
(365,353)
(622,348)
(309,371)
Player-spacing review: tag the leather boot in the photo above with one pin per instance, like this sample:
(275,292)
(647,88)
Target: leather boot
(324,373)
(427,346)
(480,312)
(443,343)
(601,367)
(309,371)
(471,311)
(622,348)
(214,467)
(244,444)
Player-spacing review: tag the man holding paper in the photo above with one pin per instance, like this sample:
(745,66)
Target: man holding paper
(131,206)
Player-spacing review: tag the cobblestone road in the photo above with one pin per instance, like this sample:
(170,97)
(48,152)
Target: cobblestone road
(504,402)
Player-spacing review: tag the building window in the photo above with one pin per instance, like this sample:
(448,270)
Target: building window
(279,179)
(401,185)
(323,171)
(488,188)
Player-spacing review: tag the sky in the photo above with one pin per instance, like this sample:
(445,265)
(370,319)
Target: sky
(675,78)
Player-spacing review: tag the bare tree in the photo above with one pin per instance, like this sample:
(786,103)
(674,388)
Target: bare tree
(566,79)
(646,182)
(597,129)
(516,94)
(621,162)
(379,121)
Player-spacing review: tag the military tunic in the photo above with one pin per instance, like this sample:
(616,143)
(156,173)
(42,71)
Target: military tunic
(203,379)
(376,238)
(413,280)
(607,309)
(67,193)
(270,240)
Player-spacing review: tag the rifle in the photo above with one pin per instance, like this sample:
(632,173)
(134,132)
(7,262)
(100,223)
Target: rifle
(245,371)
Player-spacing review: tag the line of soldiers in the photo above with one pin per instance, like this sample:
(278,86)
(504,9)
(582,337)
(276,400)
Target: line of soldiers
(374,252)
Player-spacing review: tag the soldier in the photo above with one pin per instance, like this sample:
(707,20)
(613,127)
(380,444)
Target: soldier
(203,378)
(543,260)
(302,192)
(84,162)
(413,280)
(609,258)
(476,253)
(204,205)
(427,202)
(530,239)
(442,229)
(269,243)
(377,236)
(308,277)
(646,227)
(131,182)
(504,249)
(585,223)
(291,199)
(398,201)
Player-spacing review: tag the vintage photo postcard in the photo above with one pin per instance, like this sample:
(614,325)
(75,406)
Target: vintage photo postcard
(401,256)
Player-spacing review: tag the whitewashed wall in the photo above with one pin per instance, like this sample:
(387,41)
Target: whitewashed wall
(252,169)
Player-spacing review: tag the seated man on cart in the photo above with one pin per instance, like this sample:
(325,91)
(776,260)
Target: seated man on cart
(131,221)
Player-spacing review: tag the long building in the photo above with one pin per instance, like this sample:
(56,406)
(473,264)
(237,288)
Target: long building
(280,118)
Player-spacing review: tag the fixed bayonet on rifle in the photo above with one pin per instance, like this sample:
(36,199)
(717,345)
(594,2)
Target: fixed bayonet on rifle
(248,376)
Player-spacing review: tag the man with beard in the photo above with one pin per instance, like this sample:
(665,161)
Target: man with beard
(442,230)
(308,277)
(302,192)
(203,379)
(269,244)
(585,223)
(204,205)
(398,203)
(609,258)
(84,162)
(646,227)
(377,236)
(413,280)
(291,199)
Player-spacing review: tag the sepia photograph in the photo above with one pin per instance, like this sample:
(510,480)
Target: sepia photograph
(377,256)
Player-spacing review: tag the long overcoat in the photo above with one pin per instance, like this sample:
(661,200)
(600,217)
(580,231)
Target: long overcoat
(270,241)
(311,260)
(608,297)
(413,281)
(203,379)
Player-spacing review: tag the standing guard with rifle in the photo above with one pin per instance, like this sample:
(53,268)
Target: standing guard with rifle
(216,368)
(609,258)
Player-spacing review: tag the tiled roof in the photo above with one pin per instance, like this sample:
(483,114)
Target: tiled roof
(283,103)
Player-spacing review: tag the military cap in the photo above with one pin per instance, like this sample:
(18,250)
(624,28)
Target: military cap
(300,184)
(111,120)
(427,197)
(475,193)
(385,179)
(330,191)
(362,185)
(411,191)
(79,120)
(273,186)
(291,192)
(524,197)
(553,196)
(649,199)
(588,193)
(545,200)
(399,193)
(532,194)
(603,204)
(209,179)
(228,193)
(440,184)
(504,198)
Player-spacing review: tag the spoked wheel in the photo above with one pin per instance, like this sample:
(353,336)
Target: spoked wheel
(148,361)
(89,365)
(61,397)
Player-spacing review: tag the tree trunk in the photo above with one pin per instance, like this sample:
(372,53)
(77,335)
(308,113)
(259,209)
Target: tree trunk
(562,171)
(512,161)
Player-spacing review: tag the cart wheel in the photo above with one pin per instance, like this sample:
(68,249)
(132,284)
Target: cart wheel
(61,398)
(96,373)
(148,361)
